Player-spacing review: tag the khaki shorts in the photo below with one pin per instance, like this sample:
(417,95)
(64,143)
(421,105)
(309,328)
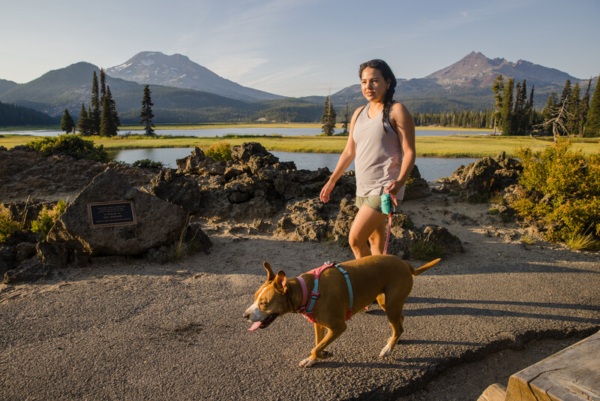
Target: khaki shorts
(373,201)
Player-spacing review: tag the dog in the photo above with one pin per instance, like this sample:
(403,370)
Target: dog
(386,278)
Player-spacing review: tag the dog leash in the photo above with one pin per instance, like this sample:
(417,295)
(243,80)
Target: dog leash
(386,208)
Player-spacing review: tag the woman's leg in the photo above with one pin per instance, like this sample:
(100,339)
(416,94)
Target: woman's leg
(377,239)
(365,223)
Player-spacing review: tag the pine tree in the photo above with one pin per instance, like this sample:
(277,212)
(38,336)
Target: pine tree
(550,108)
(573,111)
(328,118)
(507,107)
(146,115)
(84,123)
(113,110)
(498,88)
(592,125)
(583,110)
(530,112)
(107,127)
(95,115)
(566,93)
(109,123)
(66,123)
(346,120)
(102,85)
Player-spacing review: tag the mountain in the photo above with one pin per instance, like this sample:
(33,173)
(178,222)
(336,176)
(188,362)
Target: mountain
(69,87)
(466,85)
(476,70)
(5,85)
(179,71)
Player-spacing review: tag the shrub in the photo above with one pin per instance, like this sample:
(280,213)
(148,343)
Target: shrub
(47,218)
(7,224)
(70,145)
(220,151)
(568,183)
(422,250)
(147,163)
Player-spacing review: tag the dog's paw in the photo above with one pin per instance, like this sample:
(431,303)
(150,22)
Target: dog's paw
(386,351)
(307,363)
(326,354)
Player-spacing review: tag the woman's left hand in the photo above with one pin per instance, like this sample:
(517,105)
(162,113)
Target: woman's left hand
(394,187)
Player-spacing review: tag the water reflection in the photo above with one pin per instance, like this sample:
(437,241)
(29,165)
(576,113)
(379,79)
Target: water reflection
(431,168)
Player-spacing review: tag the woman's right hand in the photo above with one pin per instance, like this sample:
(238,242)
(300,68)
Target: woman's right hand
(327,188)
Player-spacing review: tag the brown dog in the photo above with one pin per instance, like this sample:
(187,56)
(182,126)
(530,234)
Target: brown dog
(386,278)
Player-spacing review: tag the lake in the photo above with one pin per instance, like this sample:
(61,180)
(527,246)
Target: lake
(431,168)
(219,132)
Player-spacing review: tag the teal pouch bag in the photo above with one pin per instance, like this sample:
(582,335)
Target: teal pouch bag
(386,204)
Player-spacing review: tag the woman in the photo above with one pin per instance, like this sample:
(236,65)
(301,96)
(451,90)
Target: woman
(382,139)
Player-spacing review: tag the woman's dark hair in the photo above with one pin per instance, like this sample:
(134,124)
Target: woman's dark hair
(387,73)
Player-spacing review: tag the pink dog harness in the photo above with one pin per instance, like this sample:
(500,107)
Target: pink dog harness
(307,310)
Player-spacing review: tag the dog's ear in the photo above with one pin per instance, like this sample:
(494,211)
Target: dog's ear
(267,267)
(280,282)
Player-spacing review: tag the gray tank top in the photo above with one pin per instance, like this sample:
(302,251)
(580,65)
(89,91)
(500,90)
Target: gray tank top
(378,154)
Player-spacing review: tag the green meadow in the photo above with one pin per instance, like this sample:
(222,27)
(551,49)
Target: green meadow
(427,146)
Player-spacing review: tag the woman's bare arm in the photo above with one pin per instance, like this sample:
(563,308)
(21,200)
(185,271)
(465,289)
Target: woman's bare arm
(404,124)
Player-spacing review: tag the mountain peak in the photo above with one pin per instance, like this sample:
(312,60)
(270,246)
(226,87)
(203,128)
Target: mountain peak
(476,70)
(179,71)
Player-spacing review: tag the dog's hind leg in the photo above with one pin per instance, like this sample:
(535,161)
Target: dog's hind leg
(319,334)
(317,352)
(396,319)
(381,301)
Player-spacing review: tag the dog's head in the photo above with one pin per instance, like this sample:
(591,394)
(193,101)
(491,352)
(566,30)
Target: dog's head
(270,300)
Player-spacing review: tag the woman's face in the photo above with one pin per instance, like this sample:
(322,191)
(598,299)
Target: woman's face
(373,85)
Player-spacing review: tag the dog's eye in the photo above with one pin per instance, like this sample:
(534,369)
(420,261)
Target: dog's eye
(263,304)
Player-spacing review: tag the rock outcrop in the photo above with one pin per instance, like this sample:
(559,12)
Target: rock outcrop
(479,180)
(158,222)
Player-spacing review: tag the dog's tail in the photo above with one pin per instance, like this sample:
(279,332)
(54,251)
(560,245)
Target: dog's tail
(422,269)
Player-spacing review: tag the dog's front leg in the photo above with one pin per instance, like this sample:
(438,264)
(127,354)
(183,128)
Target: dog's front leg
(333,332)
(319,334)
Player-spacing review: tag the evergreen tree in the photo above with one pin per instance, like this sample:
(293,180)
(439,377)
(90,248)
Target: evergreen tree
(550,108)
(574,114)
(583,110)
(328,118)
(566,93)
(95,115)
(146,115)
(592,125)
(530,112)
(497,88)
(113,109)
(66,123)
(84,124)
(507,108)
(109,123)
(102,85)
(107,126)
(346,120)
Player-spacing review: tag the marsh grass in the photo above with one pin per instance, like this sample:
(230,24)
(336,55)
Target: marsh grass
(472,146)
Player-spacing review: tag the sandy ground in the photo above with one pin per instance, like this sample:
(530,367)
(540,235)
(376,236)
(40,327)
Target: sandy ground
(127,329)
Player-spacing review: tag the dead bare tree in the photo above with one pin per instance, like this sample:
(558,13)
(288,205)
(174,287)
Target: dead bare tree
(558,120)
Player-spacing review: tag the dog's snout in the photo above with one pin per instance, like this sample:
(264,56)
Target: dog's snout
(246,315)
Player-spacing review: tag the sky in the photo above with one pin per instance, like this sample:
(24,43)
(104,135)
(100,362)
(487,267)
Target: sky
(298,47)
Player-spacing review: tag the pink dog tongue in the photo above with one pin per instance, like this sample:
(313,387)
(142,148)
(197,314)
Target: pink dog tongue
(255,326)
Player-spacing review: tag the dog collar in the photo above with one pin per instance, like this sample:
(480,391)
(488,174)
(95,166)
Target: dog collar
(304,292)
